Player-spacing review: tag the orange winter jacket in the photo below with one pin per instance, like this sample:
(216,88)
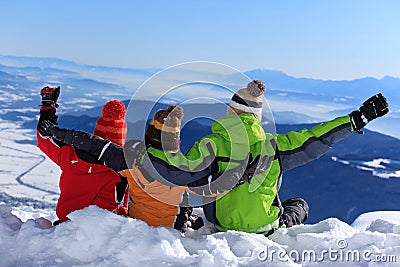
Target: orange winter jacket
(153,202)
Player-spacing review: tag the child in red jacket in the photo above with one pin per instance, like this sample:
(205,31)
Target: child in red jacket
(84,181)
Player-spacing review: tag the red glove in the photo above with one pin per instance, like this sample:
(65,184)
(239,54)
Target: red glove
(121,210)
(49,98)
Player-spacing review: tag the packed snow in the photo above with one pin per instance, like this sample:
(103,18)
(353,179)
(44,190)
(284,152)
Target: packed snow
(96,237)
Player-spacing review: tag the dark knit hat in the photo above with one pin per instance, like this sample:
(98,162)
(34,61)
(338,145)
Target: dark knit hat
(111,125)
(163,131)
(248,100)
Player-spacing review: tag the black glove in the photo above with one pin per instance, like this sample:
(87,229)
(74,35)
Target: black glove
(134,149)
(218,183)
(195,222)
(48,107)
(185,219)
(375,107)
(44,124)
(215,184)
(60,134)
(49,116)
(181,221)
(49,97)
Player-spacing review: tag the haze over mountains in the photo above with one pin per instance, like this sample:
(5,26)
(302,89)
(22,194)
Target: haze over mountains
(292,100)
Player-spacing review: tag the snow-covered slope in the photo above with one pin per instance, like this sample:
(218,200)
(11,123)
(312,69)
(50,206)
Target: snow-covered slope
(96,237)
(27,176)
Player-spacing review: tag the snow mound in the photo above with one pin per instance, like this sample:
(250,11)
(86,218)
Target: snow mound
(383,226)
(96,237)
(379,221)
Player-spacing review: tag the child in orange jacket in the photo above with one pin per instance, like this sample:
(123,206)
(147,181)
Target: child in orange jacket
(152,201)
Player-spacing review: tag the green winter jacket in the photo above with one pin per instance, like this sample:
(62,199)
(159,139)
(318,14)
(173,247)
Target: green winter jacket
(253,205)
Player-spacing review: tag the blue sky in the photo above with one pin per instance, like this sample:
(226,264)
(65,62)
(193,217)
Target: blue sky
(340,39)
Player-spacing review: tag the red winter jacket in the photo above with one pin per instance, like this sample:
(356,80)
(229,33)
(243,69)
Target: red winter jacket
(81,183)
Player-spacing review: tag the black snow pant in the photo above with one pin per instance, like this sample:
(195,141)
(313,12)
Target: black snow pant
(295,211)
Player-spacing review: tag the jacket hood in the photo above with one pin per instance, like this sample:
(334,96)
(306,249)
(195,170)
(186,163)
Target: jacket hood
(236,127)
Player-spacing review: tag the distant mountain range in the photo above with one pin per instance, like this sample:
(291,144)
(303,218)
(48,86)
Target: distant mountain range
(353,88)
(292,100)
(23,70)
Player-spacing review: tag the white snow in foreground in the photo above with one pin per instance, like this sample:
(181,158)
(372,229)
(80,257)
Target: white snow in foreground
(95,237)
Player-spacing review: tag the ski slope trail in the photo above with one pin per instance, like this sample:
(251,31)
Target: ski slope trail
(39,159)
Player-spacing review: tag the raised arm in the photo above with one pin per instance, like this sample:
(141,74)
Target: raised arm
(172,169)
(46,143)
(108,153)
(299,148)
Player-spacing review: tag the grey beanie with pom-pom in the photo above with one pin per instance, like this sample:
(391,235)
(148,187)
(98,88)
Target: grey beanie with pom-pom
(248,99)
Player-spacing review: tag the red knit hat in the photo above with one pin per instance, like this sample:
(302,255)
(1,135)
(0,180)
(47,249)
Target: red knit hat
(111,125)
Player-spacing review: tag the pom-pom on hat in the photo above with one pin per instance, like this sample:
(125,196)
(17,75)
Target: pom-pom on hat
(111,125)
(248,99)
(163,131)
